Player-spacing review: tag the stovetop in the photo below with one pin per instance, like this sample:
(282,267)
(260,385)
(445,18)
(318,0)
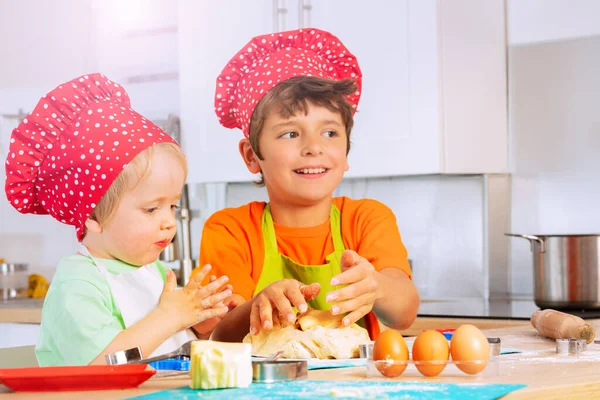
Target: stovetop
(519,308)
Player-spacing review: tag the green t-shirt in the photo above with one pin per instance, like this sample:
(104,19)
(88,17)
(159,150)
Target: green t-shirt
(80,316)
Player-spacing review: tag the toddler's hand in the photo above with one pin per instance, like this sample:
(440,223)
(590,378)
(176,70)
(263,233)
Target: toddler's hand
(207,326)
(194,303)
(362,288)
(280,296)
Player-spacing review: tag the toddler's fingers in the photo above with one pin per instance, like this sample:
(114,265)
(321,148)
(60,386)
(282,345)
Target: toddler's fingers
(211,313)
(213,287)
(194,283)
(210,301)
(170,281)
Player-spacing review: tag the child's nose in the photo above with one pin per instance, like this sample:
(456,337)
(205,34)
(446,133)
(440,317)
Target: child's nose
(312,147)
(168,222)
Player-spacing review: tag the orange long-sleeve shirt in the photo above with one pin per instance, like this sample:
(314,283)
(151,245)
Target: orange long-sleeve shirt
(232,241)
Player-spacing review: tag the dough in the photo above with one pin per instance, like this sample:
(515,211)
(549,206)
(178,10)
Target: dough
(315,334)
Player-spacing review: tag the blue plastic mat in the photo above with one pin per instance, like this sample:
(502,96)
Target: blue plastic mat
(345,389)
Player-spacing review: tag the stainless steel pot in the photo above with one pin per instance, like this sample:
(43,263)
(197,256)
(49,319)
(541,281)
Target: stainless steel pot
(566,270)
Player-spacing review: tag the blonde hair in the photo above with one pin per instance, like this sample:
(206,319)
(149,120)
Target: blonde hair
(133,173)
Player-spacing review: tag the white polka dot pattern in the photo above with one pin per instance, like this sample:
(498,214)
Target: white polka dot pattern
(65,155)
(270,59)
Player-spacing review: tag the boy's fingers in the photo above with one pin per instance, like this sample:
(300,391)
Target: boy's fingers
(349,259)
(355,315)
(296,297)
(310,292)
(232,304)
(351,275)
(283,305)
(351,291)
(364,300)
(255,319)
(265,313)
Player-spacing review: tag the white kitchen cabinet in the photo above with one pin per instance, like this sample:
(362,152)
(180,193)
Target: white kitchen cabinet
(15,334)
(434,85)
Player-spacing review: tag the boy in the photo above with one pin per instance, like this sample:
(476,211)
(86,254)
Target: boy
(89,160)
(293,95)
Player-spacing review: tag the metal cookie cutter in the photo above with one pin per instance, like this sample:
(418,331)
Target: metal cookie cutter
(570,347)
(366,350)
(280,370)
(495,346)
(124,356)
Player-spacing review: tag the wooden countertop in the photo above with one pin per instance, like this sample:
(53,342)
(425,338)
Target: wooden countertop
(26,311)
(545,375)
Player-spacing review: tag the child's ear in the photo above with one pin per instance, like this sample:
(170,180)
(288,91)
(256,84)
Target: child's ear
(93,226)
(250,158)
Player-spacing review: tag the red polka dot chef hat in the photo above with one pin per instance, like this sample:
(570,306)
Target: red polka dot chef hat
(270,59)
(65,155)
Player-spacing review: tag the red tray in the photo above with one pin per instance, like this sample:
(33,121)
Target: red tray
(89,377)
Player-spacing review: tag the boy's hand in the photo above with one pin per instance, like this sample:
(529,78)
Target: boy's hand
(362,289)
(280,296)
(194,303)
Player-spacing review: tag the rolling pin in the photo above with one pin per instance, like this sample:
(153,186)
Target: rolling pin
(559,325)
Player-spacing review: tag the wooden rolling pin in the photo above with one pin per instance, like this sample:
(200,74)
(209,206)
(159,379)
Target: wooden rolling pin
(559,325)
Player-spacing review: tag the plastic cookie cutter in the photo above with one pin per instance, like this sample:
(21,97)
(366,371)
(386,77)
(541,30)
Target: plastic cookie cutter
(570,347)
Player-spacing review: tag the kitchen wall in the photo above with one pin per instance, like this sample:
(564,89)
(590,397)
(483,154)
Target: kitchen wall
(133,44)
(447,222)
(554,91)
(442,218)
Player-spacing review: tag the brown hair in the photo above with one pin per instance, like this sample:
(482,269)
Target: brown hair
(292,96)
(133,173)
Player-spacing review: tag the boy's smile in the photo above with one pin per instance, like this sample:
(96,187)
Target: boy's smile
(304,156)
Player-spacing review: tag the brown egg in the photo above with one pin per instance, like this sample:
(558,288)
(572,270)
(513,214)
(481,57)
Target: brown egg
(390,346)
(469,349)
(430,346)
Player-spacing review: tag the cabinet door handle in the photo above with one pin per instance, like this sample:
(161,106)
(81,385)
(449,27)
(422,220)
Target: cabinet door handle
(279,12)
(304,8)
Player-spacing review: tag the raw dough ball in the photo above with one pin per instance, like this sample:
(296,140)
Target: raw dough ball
(316,334)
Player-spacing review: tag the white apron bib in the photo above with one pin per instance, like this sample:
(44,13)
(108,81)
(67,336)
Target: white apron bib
(137,293)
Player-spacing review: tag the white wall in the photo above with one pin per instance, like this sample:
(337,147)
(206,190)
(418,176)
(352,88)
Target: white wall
(43,44)
(555,139)
(534,21)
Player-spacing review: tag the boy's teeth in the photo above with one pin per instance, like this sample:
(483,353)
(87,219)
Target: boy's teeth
(311,171)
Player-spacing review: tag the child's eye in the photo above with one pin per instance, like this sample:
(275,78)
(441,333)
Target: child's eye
(330,133)
(174,207)
(150,210)
(289,135)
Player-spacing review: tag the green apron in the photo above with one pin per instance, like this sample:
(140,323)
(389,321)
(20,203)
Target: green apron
(278,266)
